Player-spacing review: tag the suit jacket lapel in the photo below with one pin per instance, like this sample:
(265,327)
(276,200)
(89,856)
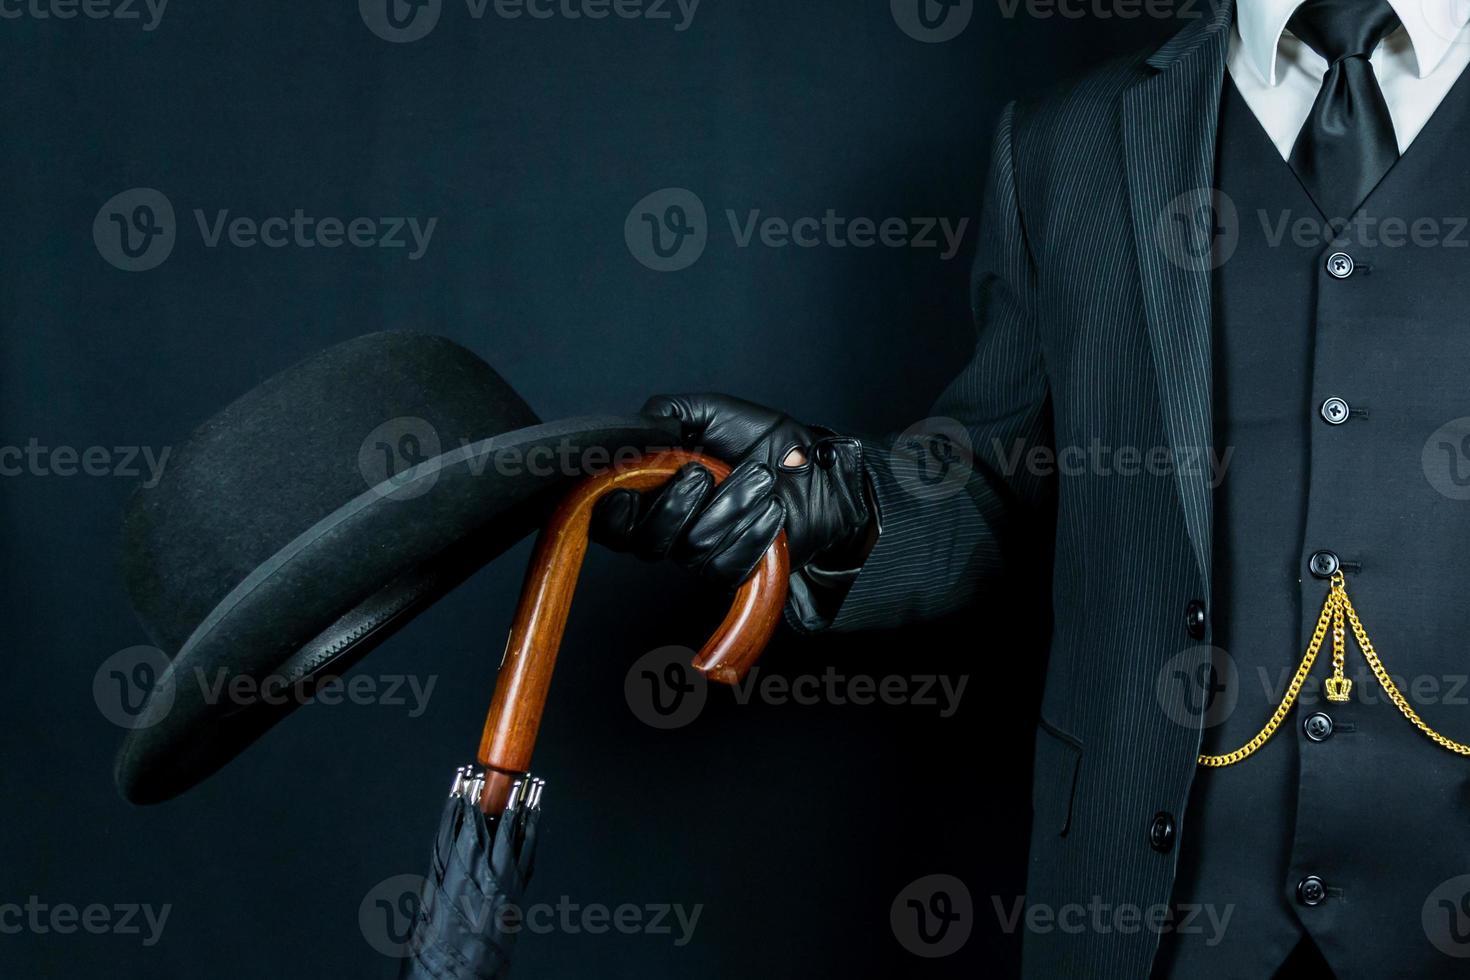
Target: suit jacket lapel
(1169,125)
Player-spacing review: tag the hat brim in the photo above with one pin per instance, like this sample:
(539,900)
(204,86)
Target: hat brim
(348,582)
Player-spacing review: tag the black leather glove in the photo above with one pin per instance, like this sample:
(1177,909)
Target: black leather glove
(786,475)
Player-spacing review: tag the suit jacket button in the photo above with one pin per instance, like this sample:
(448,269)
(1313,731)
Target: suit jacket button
(1194,619)
(1311,891)
(1161,832)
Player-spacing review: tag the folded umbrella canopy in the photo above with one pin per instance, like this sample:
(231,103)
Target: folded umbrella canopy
(464,924)
(469,910)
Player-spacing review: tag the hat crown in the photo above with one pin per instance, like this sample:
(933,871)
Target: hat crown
(288,453)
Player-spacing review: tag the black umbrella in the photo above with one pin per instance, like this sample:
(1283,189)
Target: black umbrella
(469,910)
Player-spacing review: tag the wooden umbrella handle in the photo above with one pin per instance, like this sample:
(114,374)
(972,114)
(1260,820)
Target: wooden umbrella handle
(546,599)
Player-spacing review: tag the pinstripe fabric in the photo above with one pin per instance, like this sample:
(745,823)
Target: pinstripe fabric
(939,544)
(1093,341)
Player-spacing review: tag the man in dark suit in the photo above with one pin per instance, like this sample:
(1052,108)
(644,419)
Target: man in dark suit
(1222,381)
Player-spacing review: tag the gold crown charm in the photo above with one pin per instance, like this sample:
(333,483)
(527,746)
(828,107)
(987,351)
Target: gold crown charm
(1338,688)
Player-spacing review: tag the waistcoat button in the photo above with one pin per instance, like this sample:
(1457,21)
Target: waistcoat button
(1324,564)
(1318,726)
(1335,411)
(1311,891)
(1340,265)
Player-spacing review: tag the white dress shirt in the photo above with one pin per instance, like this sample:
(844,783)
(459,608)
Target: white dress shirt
(1279,76)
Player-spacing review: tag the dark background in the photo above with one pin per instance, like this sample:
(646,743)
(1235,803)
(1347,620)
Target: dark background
(795,826)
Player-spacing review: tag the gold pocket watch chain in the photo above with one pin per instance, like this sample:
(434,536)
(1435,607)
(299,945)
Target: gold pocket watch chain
(1337,613)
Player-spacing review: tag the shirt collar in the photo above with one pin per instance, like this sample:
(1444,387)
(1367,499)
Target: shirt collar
(1432,26)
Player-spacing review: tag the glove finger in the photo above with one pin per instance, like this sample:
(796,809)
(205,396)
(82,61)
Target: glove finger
(737,557)
(722,425)
(666,515)
(734,503)
(614,518)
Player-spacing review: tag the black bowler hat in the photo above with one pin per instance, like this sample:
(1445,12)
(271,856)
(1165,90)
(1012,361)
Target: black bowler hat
(309,520)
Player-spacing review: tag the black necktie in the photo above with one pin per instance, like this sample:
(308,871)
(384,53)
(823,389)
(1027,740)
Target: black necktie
(1347,143)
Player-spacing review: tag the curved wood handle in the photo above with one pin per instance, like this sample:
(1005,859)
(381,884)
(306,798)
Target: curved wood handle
(546,598)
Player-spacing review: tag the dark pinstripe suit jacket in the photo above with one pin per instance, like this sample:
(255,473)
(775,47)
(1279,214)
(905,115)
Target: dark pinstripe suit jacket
(1093,343)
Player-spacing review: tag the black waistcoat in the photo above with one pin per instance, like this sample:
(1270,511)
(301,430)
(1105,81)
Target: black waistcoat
(1342,398)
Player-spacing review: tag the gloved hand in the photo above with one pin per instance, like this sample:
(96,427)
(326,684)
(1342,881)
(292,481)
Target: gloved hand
(786,475)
